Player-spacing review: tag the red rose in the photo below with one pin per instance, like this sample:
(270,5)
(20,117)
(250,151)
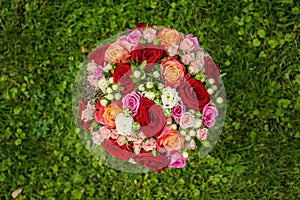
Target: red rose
(142,25)
(123,152)
(142,115)
(98,54)
(122,75)
(147,160)
(194,94)
(150,117)
(149,52)
(211,69)
(84,124)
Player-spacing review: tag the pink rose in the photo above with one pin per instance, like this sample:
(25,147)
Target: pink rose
(105,132)
(149,34)
(169,121)
(186,120)
(134,37)
(137,145)
(195,42)
(188,58)
(113,134)
(176,160)
(131,137)
(192,145)
(98,72)
(121,140)
(178,110)
(196,66)
(149,144)
(209,115)
(91,66)
(201,134)
(132,101)
(186,45)
(97,138)
(173,49)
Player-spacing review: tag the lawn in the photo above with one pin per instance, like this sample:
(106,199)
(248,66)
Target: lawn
(256,46)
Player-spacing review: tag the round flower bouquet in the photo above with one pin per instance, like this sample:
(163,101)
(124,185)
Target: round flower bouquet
(147,98)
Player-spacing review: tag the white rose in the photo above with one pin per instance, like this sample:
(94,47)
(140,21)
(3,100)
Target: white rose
(103,84)
(124,124)
(169,97)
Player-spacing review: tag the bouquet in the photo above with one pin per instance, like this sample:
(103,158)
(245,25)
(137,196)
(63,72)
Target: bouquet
(147,97)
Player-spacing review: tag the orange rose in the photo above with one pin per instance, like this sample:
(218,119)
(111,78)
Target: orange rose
(171,140)
(168,36)
(110,114)
(173,72)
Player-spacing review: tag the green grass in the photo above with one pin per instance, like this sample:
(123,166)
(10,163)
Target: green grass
(255,43)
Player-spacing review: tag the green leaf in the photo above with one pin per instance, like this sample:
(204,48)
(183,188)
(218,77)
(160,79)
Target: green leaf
(261,33)
(256,43)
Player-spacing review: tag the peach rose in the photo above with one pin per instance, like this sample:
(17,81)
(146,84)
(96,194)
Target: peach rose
(171,140)
(168,36)
(110,114)
(173,72)
(117,51)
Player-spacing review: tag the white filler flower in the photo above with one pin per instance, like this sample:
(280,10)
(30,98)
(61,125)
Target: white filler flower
(124,124)
(103,84)
(169,97)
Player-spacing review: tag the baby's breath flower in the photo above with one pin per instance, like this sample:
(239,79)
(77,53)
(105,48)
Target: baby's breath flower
(211,81)
(115,87)
(109,90)
(156,74)
(103,102)
(174,127)
(149,85)
(118,96)
(142,87)
(137,74)
(188,138)
(161,86)
(182,132)
(192,133)
(110,97)
(214,87)
(111,80)
(210,90)
(220,100)
(185,154)
(150,95)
